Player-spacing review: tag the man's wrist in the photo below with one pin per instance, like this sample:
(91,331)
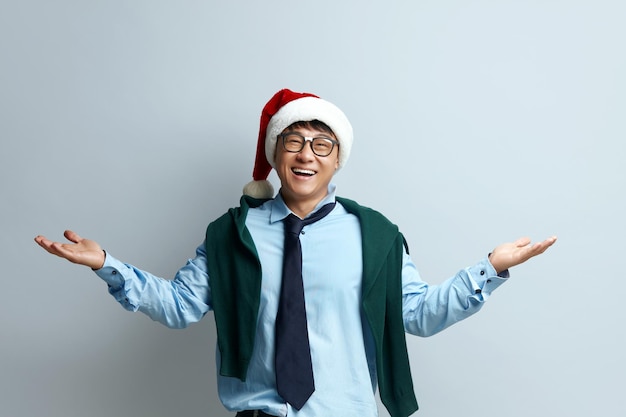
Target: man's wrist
(104,258)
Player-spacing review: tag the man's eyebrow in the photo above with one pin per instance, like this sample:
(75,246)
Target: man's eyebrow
(319,133)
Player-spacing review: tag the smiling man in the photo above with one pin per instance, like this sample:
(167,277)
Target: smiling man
(312,293)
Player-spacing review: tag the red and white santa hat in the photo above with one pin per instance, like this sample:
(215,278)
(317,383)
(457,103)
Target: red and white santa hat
(285,108)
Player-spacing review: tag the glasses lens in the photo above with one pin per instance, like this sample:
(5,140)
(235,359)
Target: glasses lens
(322,146)
(293,143)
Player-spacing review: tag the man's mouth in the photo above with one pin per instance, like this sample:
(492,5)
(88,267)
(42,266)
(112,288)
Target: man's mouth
(303,172)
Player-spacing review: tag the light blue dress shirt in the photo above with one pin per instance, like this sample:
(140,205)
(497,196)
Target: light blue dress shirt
(342,349)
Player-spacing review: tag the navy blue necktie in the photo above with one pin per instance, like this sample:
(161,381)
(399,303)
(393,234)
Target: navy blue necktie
(294,372)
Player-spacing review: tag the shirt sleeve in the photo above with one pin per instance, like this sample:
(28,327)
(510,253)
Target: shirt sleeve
(429,309)
(175,303)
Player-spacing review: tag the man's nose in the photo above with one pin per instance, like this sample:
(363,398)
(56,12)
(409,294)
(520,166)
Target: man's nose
(307,151)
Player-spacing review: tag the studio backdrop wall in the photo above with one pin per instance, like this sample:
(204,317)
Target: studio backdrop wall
(134,123)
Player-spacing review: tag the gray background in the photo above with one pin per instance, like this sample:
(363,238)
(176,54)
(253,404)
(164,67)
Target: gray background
(477,122)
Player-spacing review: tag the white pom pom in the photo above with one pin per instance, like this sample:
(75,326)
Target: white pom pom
(259,189)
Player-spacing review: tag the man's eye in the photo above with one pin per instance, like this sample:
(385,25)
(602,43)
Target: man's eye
(322,143)
(293,140)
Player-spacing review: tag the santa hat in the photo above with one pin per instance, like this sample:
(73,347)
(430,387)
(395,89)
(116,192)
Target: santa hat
(285,108)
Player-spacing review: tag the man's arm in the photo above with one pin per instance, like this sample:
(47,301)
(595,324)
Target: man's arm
(175,303)
(428,309)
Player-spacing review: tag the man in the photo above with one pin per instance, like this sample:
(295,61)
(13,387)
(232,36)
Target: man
(311,315)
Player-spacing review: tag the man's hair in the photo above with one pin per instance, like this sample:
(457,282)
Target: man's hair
(313,124)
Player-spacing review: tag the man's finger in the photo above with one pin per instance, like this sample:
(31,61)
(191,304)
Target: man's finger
(540,247)
(547,243)
(72,236)
(45,243)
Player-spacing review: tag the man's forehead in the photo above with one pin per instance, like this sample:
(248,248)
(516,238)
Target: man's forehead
(314,126)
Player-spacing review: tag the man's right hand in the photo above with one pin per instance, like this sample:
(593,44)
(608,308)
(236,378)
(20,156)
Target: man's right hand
(81,251)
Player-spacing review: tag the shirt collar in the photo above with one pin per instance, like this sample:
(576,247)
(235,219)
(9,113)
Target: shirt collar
(279,209)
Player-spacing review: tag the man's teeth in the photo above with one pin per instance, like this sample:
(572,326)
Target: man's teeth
(303,171)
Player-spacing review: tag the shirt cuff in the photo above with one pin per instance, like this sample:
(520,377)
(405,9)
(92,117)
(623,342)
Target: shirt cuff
(113,273)
(484,278)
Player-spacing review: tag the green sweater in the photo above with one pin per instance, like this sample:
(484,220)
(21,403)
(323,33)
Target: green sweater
(235,273)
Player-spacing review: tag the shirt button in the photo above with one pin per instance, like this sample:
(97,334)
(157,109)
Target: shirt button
(482,272)
(114,272)
(302,232)
(488,281)
(478,291)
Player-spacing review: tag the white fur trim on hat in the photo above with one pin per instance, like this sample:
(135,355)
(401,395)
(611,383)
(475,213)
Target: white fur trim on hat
(306,109)
(259,189)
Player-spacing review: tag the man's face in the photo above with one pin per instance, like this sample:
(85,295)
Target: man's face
(304,176)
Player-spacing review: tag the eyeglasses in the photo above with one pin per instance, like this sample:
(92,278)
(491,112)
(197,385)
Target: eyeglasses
(320,145)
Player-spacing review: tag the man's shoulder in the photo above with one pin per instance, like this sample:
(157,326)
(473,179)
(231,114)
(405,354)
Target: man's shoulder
(239,213)
(232,223)
(362,212)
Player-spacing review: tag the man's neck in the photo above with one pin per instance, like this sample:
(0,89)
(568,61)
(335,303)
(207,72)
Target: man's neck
(302,208)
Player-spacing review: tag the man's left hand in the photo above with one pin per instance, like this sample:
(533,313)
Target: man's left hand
(510,254)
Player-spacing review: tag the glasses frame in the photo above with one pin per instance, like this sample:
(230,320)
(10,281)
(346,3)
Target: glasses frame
(309,139)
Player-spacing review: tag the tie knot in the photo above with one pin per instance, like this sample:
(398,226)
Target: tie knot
(293,224)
